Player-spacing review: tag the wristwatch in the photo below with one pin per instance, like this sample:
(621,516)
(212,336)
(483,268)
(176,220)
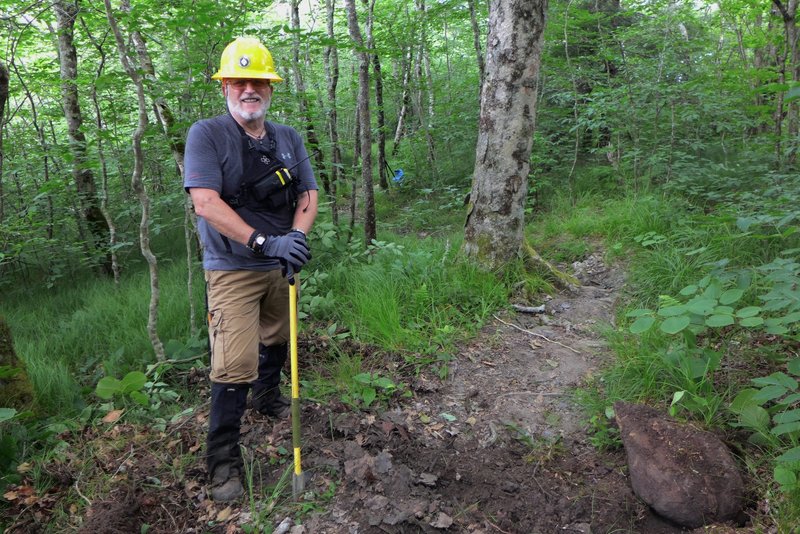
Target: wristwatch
(256,241)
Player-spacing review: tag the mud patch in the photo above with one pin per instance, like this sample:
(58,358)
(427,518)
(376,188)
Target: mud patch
(113,517)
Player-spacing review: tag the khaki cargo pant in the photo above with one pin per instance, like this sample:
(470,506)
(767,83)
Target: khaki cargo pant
(245,308)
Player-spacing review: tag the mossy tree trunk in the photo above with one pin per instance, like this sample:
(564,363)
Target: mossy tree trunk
(15,386)
(495,222)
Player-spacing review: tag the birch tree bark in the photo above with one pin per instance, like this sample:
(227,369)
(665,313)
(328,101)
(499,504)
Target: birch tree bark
(370,231)
(495,225)
(138,185)
(66,14)
(405,100)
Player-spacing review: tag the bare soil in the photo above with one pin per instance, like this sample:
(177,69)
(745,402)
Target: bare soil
(499,445)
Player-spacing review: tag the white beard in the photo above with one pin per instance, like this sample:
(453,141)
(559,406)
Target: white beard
(235,107)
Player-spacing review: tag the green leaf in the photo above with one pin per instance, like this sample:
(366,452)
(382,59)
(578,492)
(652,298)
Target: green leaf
(723,310)
(743,399)
(792,455)
(689,290)
(363,378)
(673,325)
(794,366)
(784,476)
(140,398)
(107,387)
(642,324)
(754,417)
(776,379)
(787,416)
(6,414)
(384,383)
(672,311)
(730,296)
(769,393)
(717,321)
(368,395)
(777,330)
(750,322)
(701,306)
(133,381)
(639,312)
(786,428)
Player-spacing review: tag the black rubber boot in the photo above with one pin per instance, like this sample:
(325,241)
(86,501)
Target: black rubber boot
(223,457)
(267,398)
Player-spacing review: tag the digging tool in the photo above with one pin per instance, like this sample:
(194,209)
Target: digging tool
(298,478)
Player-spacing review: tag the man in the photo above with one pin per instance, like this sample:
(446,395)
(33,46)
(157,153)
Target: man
(256,197)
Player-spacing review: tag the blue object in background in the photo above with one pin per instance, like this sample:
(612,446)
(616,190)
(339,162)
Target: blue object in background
(398,176)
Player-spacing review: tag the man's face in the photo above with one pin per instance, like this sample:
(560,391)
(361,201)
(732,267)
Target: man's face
(249,99)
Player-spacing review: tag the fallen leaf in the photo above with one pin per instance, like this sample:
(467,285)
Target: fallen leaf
(471,421)
(11,495)
(113,416)
(443,521)
(24,468)
(424,418)
(223,515)
(428,479)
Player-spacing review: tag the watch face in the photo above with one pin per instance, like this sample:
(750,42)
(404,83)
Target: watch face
(260,240)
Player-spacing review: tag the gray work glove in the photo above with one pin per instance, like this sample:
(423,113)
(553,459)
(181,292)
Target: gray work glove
(290,249)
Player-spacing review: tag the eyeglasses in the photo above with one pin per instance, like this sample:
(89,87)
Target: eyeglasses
(241,83)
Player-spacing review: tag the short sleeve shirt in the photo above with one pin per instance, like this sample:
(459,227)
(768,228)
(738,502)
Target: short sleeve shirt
(214,160)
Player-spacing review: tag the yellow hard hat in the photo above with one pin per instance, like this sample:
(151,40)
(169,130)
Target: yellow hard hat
(246,57)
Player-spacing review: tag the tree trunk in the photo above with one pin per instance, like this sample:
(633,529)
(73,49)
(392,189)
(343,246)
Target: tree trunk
(3,98)
(305,111)
(476,39)
(332,73)
(138,185)
(112,228)
(791,62)
(370,232)
(425,79)
(495,224)
(405,100)
(82,174)
(376,66)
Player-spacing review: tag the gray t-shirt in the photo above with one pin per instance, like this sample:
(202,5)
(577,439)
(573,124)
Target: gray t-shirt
(214,160)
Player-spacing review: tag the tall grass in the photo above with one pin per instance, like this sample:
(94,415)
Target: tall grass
(71,336)
(414,295)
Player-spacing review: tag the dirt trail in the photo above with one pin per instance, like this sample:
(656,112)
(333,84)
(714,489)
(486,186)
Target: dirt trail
(499,446)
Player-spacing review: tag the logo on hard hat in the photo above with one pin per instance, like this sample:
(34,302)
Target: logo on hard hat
(244,61)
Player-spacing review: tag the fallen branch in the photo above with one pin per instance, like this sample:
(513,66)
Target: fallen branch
(535,334)
(528,309)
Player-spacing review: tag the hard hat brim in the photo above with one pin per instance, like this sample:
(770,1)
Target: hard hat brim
(221,75)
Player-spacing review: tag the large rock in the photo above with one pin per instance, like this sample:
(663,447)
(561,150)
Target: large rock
(685,474)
